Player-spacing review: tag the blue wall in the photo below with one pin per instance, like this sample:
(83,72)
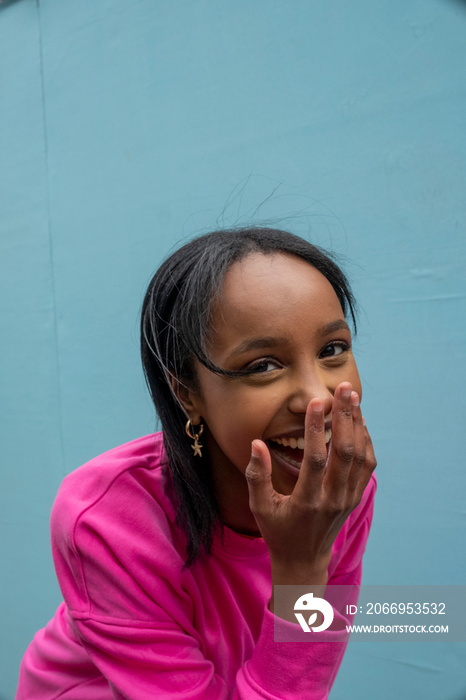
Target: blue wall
(126,127)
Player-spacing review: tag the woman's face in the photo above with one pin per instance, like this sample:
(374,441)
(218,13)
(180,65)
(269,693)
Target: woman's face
(279,316)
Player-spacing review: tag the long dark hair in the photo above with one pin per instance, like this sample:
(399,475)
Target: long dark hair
(174,327)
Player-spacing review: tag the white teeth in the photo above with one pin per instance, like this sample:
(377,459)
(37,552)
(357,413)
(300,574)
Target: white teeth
(291,442)
(299,442)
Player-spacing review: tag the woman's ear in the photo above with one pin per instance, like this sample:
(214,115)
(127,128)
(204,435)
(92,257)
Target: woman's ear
(187,398)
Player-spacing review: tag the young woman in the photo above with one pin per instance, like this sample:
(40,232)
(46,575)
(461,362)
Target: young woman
(168,548)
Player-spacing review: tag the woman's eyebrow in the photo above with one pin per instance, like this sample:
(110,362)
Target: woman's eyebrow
(339,325)
(272,341)
(258,344)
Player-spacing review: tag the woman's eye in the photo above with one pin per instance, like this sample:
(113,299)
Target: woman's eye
(334,349)
(263,366)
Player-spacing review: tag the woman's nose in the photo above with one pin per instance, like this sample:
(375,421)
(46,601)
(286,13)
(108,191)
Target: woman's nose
(310,387)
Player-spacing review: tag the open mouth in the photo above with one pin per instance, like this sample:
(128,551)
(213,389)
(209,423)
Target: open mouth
(292,449)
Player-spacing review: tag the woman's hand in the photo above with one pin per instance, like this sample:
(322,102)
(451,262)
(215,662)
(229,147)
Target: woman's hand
(301,528)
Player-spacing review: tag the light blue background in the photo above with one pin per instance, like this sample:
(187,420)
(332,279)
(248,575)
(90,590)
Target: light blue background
(127,126)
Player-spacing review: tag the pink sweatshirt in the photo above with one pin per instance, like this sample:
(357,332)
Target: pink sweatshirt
(135,625)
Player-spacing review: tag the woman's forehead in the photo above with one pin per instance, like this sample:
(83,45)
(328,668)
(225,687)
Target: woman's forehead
(262,287)
(259,273)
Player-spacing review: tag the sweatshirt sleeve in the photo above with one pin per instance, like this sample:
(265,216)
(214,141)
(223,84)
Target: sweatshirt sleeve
(308,669)
(148,645)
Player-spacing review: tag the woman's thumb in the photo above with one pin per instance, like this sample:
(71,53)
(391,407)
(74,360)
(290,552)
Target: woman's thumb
(259,477)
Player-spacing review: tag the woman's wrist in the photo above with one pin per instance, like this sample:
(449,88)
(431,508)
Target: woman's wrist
(289,572)
(313,575)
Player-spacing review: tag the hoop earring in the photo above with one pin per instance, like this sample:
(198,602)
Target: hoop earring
(197,447)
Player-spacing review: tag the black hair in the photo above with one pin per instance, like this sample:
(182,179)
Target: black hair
(175,324)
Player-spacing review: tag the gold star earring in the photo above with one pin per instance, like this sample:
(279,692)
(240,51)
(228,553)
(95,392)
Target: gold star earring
(197,445)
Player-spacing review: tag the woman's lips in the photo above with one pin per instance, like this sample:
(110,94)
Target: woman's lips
(292,449)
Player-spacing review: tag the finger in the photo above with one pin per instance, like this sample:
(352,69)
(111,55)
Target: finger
(311,475)
(359,433)
(342,445)
(370,462)
(259,477)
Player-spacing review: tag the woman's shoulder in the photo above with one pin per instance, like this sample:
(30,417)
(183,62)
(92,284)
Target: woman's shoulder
(110,517)
(350,543)
(122,489)
(109,475)
(362,514)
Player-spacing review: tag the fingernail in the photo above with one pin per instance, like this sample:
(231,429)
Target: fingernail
(255,451)
(363,421)
(346,390)
(354,399)
(317,406)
